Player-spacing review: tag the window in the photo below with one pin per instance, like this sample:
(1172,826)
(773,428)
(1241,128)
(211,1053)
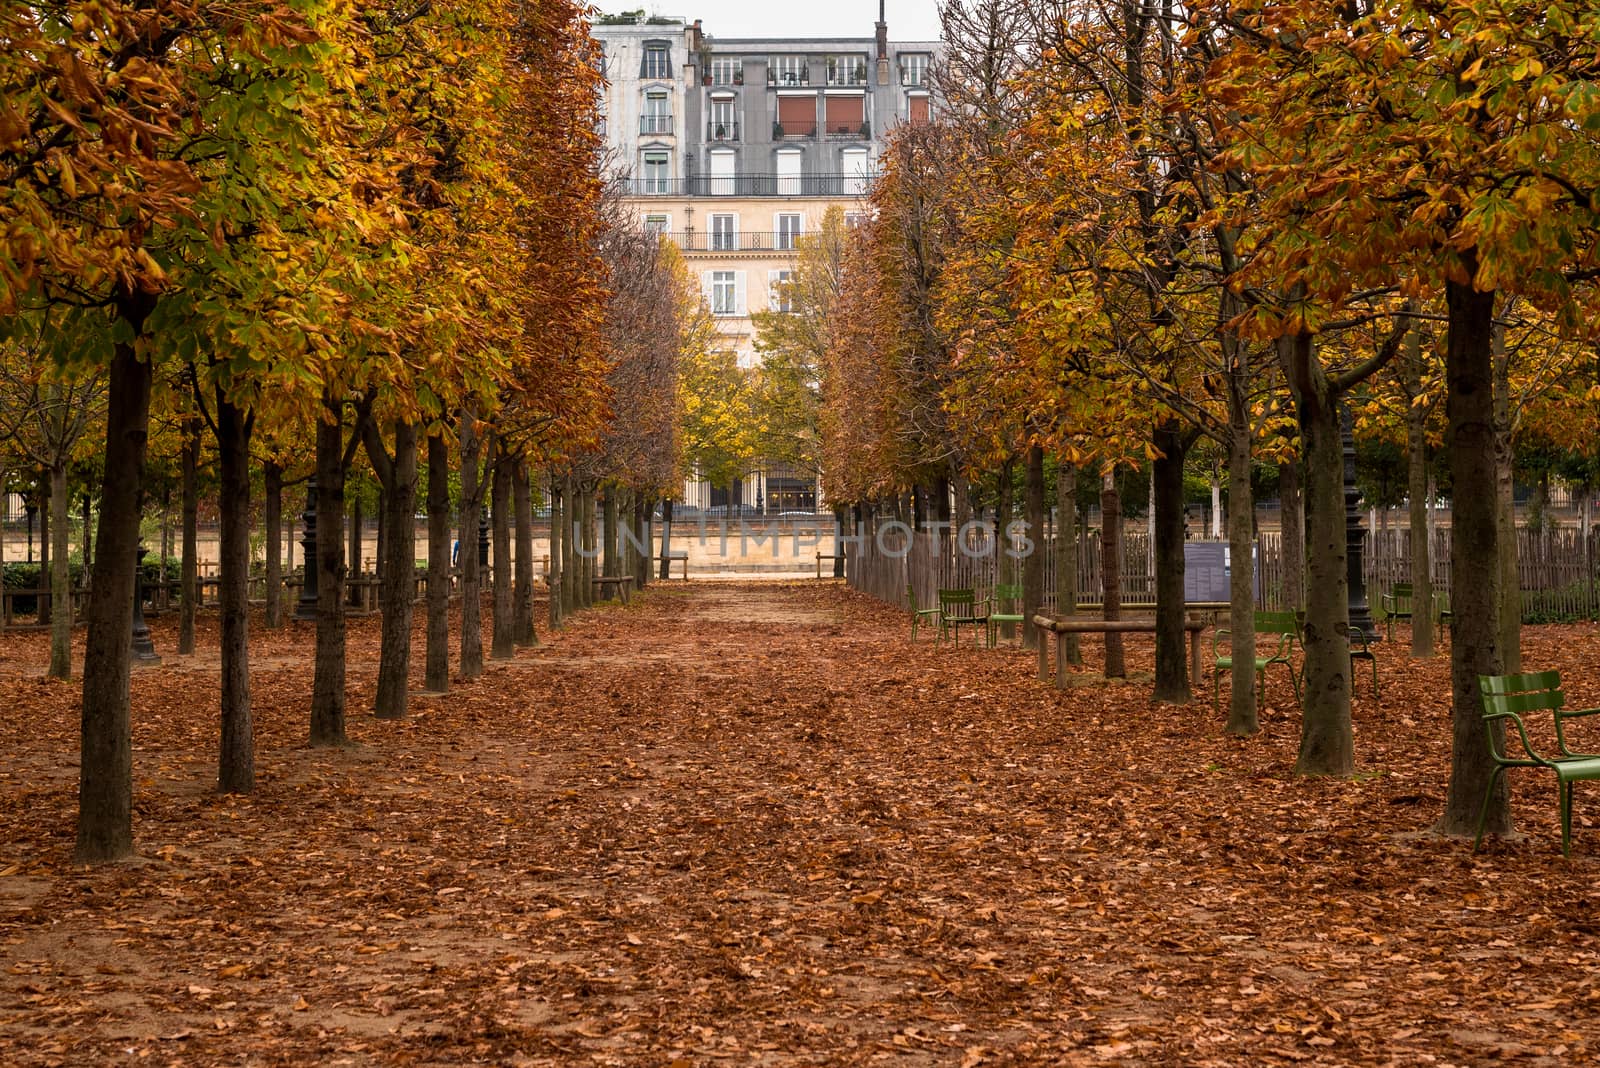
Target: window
(847,70)
(727,70)
(917,108)
(780,296)
(657,60)
(854,219)
(657,224)
(657,116)
(846,115)
(789,184)
(724,293)
(788,230)
(914,70)
(724,233)
(788,70)
(723,173)
(724,121)
(856,174)
(656,168)
(797,116)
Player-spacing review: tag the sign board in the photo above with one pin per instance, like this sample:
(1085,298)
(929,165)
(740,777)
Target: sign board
(1207,571)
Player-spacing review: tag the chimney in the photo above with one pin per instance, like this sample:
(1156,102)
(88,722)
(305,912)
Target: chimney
(883,45)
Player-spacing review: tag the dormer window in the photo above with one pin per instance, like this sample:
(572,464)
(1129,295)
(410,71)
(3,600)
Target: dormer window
(657,60)
(727,70)
(914,70)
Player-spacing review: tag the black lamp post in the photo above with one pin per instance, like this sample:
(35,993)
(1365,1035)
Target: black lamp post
(306,607)
(32,510)
(1355,535)
(483,537)
(144,650)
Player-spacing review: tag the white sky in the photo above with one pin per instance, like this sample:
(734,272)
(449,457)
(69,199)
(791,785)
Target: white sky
(909,20)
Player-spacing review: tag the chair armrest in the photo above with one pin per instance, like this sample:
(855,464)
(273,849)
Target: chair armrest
(1527,746)
(1386,602)
(1216,639)
(1561,716)
(1358,637)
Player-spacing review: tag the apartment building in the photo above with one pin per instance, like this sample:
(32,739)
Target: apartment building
(735,148)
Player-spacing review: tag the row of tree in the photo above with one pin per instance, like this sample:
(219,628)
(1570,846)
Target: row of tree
(1138,226)
(277,239)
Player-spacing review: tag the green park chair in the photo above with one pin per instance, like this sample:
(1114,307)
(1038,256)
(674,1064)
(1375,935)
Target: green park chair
(1004,595)
(1280,625)
(919,614)
(1512,697)
(1396,604)
(961,607)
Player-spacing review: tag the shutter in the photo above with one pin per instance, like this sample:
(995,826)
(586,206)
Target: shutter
(798,115)
(772,289)
(706,288)
(740,306)
(845,113)
(919,109)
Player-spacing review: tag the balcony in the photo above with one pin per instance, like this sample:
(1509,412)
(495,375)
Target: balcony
(795,130)
(727,130)
(788,79)
(847,131)
(751,185)
(709,241)
(655,124)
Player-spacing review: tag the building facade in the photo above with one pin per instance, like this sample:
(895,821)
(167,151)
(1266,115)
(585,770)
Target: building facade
(735,148)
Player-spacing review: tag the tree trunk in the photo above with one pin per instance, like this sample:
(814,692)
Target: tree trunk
(398,583)
(437,653)
(189,573)
(1242,712)
(666,538)
(1067,553)
(522,615)
(1474,558)
(1005,564)
(555,574)
(357,523)
(1417,488)
(60,576)
(591,549)
(1111,570)
(1033,563)
(1506,544)
(471,502)
(1327,742)
(610,565)
(236,764)
(1172,658)
(641,523)
(87,536)
(42,489)
(503,641)
(272,519)
(327,687)
(105,769)
(1292,519)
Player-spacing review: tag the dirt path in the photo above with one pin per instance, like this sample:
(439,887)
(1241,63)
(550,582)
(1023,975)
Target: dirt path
(751,824)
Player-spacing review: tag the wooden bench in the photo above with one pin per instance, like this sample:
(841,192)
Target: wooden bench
(821,556)
(1512,697)
(1061,626)
(679,557)
(607,587)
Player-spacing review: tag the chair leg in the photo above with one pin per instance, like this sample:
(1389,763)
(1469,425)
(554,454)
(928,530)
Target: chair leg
(1566,819)
(1294,681)
(1483,810)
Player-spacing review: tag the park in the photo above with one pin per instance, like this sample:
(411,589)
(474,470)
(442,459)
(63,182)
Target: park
(535,536)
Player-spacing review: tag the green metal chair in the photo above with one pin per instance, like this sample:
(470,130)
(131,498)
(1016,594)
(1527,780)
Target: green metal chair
(1396,604)
(1002,595)
(958,607)
(918,614)
(1281,625)
(1511,697)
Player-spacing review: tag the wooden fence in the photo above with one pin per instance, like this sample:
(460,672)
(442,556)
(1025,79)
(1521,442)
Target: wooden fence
(1556,568)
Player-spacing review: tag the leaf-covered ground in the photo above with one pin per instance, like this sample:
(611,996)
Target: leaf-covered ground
(753,824)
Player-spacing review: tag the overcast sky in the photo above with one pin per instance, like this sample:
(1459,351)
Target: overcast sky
(909,20)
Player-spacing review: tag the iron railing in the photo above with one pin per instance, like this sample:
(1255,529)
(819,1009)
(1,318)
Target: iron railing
(752,185)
